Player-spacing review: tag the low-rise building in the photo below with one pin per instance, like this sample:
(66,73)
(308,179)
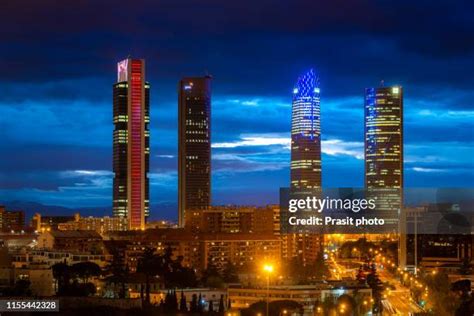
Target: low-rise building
(40,276)
(231,219)
(81,241)
(207,295)
(25,257)
(42,223)
(98,224)
(11,221)
(198,250)
(308,296)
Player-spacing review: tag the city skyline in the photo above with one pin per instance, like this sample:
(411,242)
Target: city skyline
(71,142)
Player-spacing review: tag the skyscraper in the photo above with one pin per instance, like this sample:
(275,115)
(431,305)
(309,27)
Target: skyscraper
(305,171)
(194,145)
(306,133)
(384,158)
(131,143)
(384,137)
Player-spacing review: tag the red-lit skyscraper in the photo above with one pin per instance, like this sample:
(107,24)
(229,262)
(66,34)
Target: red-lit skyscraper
(194,145)
(131,98)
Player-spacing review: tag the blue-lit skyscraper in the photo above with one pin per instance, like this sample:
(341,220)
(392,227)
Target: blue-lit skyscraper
(306,133)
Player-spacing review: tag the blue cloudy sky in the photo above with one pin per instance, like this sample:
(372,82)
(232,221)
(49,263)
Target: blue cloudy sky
(58,61)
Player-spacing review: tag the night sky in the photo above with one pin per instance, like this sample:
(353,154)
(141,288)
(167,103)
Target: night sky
(58,63)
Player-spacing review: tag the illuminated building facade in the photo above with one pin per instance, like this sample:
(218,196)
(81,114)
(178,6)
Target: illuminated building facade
(194,145)
(384,157)
(384,137)
(231,219)
(131,143)
(11,221)
(306,133)
(98,224)
(305,162)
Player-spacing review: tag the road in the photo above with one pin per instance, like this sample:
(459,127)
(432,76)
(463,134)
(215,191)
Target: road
(395,302)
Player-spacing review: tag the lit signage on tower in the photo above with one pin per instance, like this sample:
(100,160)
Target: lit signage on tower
(122,70)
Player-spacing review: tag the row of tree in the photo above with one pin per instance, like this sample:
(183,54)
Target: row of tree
(171,304)
(171,273)
(73,280)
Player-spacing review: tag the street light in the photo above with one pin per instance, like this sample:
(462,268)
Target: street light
(268,269)
(342,308)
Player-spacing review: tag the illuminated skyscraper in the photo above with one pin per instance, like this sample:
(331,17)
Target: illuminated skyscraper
(384,137)
(305,163)
(131,98)
(194,145)
(384,158)
(306,134)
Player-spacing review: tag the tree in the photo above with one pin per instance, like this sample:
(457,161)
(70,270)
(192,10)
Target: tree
(444,301)
(230,273)
(86,270)
(221,305)
(62,275)
(360,275)
(200,306)
(377,288)
(182,303)
(21,288)
(194,304)
(466,266)
(147,267)
(118,273)
(463,289)
(171,302)
(274,308)
(211,277)
(321,270)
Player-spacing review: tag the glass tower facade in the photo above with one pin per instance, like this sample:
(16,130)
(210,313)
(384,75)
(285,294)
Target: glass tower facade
(131,143)
(306,133)
(384,137)
(384,158)
(194,145)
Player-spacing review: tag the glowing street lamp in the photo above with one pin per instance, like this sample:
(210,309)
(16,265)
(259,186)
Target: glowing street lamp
(268,269)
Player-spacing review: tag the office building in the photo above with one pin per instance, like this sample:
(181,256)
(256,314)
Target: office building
(383,141)
(194,145)
(384,137)
(131,143)
(306,133)
(305,162)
